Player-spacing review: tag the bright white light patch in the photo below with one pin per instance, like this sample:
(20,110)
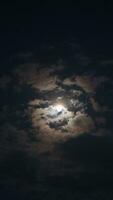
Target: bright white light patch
(59,108)
(56,110)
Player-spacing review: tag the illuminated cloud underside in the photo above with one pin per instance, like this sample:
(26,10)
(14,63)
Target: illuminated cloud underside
(61,111)
(56,123)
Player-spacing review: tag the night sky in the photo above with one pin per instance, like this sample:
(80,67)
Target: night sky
(56,101)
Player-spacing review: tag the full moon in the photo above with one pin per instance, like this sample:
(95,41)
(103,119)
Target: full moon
(59,108)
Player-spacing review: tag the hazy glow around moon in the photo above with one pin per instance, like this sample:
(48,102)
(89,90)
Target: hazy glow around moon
(56,111)
(59,108)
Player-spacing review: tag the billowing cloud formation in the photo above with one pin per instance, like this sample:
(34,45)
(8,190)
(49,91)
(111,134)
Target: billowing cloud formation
(81,124)
(88,83)
(97,107)
(37,77)
(67,144)
(53,86)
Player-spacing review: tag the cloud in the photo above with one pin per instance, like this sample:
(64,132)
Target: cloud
(103,132)
(80,124)
(37,77)
(106,62)
(97,107)
(58,124)
(82,59)
(88,83)
(68,81)
(39,103)
(10,134)
(49,130)
(100,120)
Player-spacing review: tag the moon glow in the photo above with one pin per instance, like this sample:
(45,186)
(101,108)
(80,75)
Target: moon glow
(59,108)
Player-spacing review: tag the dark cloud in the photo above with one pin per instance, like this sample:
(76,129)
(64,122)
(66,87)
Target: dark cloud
(4,81)
(58,124)
(44,150)
(18,172)
(95,155)
(104,94)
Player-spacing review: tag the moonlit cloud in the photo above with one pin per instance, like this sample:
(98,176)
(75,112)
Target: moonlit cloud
(81,124)
(97,107)
(38,77)
(68,81)
(49,124)
(56,115)
(53,125)
(88,83)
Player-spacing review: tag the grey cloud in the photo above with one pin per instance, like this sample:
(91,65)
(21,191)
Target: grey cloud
(38,78)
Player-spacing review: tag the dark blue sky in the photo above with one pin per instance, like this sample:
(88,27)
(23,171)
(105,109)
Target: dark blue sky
(27,26)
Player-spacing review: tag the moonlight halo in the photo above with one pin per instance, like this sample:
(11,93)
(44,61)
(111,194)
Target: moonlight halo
(59,108)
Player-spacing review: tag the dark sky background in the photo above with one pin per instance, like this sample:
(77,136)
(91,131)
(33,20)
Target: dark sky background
(26,25)
(51,53)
